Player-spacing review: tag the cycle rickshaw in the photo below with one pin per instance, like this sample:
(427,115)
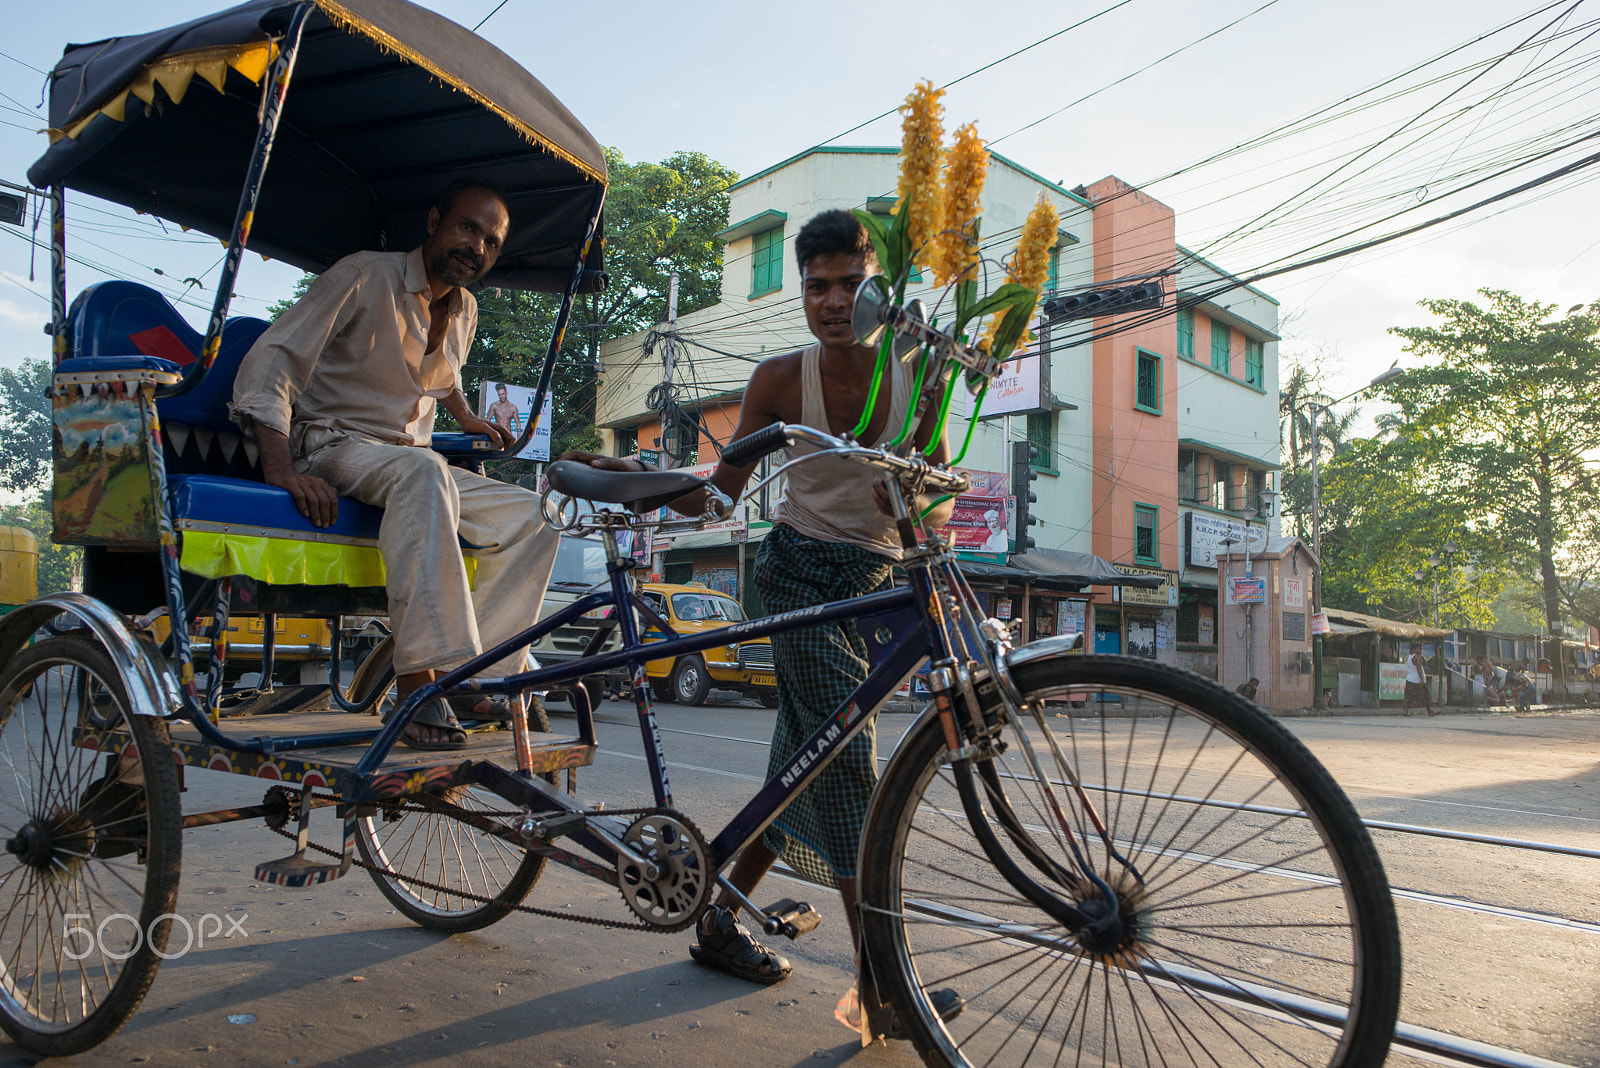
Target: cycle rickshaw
(1168,874)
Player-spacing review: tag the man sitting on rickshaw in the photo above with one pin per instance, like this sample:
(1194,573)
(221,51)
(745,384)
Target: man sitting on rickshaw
(340,393)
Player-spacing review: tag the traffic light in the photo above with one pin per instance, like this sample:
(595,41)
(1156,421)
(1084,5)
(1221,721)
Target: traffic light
(13,208)
(1138,297)
(1023,454)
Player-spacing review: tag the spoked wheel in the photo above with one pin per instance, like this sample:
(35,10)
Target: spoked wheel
(90,818)
(437,864)
(1255,923)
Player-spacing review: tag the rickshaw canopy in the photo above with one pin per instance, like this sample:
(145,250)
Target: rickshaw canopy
(387,104)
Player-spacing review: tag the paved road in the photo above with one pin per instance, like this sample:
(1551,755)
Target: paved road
(333,976)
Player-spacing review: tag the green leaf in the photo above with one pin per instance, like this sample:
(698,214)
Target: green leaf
(966,295)
(1011,329)
(878,233)
(1007,296)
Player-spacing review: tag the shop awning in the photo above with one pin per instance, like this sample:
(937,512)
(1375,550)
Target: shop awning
(1359,622)
(1057,569)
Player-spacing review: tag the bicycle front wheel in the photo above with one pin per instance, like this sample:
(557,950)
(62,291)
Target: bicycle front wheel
(1256,925)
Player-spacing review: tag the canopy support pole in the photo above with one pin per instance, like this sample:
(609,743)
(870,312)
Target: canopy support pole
(273,90)
(536,413)
(58,273)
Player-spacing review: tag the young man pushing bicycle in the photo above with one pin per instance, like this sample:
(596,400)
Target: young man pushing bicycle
(833,538)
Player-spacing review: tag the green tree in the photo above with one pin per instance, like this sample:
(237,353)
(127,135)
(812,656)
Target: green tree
(1505,412)
(1299,395)
(1385,512)
(660,218)
(25,426)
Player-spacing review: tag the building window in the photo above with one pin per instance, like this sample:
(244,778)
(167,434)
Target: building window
(1147,387)
(1042,435)
(1194,476)
(1219,346)
(766,262)
(1146,546)
(1053,282)
(627,441)
(1221,484)
(1258,482)
(1186,333)
(1253,362)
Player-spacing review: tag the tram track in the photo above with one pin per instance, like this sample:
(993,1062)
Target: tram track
(1414,1043)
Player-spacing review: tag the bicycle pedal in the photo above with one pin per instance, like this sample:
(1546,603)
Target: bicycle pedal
(790,918)
(299,870)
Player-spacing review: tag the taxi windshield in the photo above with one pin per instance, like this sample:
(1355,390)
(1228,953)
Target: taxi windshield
(690,607)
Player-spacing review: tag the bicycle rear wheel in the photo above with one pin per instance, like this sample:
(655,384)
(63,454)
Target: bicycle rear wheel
(437,868)
(1258,928)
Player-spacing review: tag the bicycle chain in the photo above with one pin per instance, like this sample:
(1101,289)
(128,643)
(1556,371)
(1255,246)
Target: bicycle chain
(554,914)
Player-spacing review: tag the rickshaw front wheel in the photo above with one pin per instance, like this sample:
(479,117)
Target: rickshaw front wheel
(91,823)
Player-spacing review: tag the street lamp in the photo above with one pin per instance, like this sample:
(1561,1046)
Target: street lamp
(1317,699)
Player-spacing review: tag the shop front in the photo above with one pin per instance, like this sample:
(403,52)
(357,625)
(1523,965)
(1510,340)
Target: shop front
(1140,621)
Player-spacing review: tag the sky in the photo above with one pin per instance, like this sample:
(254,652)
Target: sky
(753,84)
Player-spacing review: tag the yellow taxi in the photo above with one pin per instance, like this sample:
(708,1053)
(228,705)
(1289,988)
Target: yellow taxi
(744,666)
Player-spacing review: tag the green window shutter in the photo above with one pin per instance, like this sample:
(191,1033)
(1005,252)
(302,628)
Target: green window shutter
(1042,434)
(1146,545)
(1053,282)
(1253,362)
(1186,333)
(766,261)
(1219,346)
(1147,388)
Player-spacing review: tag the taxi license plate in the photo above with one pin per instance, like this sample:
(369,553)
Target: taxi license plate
(763,680)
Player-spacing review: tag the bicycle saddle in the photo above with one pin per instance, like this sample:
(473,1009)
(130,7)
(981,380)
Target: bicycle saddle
(640,491)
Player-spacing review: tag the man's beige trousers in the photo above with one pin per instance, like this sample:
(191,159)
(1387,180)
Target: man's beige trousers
(439,619)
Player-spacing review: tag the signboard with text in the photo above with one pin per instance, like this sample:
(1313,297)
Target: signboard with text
(972,529)
(1164,595)
(1208,532)
(1247,591)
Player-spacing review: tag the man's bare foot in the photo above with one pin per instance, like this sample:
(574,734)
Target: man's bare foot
(434,726)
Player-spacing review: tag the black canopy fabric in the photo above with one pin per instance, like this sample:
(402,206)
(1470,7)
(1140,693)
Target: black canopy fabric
(1056,569)
(388,103)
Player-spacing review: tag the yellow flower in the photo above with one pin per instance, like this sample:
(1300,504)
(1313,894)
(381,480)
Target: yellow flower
(1030,263)
(966,167)
(921,142)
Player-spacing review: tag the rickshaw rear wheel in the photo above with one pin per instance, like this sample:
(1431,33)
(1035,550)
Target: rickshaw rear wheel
(427,863)
(91,824)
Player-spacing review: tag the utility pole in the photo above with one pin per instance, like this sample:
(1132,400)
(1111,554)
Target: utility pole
(658,560)
(1319,700)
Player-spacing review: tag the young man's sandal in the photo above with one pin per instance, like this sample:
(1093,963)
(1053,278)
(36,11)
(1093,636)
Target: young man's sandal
(434,714)
(730,947)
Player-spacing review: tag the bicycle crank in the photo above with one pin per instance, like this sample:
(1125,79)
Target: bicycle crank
(672,897)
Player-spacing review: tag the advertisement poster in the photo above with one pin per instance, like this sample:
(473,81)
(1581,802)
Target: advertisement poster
(509,406)
(735,522)
(1391,682)
(978,524)
(1247,591)
(1319,623)
(1019,385)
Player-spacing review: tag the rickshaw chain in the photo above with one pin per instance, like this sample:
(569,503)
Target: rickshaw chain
(596,921)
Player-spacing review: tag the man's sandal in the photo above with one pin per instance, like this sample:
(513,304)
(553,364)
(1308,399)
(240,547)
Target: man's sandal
(730,947)
(434,714)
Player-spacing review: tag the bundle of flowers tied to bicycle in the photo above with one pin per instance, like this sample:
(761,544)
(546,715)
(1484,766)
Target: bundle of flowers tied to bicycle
(935,226)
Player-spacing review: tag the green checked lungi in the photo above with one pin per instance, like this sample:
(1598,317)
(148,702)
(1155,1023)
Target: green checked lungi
(817,669)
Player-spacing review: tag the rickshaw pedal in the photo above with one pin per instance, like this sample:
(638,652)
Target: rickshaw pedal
(790,918)
(299,870)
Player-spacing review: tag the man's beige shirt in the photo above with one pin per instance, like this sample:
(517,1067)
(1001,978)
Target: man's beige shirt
(350,355)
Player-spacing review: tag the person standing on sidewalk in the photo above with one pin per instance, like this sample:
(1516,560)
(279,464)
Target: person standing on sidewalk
(1417,683)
